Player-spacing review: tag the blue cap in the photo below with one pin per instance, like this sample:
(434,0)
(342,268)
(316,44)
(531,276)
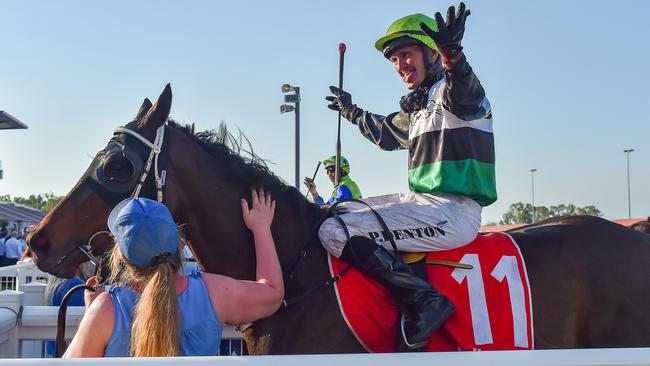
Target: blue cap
(144,229)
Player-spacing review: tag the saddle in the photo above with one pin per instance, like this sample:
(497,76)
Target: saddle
(485,279)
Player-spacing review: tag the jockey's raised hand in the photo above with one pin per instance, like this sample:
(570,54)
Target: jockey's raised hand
(342,102)
(450,32)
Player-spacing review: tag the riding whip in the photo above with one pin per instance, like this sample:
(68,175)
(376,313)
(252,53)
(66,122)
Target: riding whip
(337,177)
(314,176)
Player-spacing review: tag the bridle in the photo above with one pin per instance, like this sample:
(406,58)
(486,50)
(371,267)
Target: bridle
(155,149)
(154,154)
(160,177)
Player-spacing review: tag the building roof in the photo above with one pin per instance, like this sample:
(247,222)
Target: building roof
(8,122)
(16,212)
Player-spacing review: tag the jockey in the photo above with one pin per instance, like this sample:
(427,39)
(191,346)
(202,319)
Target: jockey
(346,188)
(445,123)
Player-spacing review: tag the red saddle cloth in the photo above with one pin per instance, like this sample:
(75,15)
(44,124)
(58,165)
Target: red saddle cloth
(493,306)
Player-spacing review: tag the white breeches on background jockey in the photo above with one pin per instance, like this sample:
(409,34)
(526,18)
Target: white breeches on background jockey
(419,222)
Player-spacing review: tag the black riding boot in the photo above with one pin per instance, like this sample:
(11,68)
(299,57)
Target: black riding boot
(423,308)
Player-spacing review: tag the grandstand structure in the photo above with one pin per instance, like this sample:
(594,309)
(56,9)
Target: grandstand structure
(19,217)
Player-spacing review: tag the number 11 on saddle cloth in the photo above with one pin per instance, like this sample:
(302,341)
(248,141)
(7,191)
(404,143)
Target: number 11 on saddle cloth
(492,298)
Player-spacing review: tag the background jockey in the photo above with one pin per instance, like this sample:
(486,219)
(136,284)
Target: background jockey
(346,188)
(445,122)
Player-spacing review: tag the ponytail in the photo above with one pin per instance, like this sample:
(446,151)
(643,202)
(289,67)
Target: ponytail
(156,316)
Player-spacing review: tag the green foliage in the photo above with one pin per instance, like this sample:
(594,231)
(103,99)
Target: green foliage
(589,210)
(42,201)
(518,213)
(522,213)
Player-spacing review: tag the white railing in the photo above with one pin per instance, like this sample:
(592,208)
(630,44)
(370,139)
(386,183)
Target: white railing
(12,277)
(25,324)
(591,357)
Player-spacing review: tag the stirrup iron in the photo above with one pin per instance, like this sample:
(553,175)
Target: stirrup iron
(404,338)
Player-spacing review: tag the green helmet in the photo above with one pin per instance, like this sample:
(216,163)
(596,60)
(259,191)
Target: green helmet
(331,162)
(406,32)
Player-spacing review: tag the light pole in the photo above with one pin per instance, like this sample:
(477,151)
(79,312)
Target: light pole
(292,103)
(629,201)
(532,180)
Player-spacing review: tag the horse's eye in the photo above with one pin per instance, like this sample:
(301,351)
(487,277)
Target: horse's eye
(117,168)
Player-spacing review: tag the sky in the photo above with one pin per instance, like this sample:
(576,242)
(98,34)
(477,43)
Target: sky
(567,81)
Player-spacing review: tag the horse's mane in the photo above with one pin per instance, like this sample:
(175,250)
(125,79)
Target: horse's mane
(237,153)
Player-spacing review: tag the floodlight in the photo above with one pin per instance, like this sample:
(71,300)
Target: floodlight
(286,108)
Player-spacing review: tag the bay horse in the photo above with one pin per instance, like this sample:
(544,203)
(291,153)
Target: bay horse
(589,277)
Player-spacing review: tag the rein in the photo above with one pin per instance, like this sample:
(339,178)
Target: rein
(331,211)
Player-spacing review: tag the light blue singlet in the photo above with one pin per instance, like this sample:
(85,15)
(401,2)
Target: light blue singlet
(200,329)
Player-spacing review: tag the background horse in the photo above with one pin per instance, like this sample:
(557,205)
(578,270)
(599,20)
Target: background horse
(642,226)
(590,278)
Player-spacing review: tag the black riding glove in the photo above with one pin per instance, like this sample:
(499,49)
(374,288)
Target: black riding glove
(342,102)
(450,33)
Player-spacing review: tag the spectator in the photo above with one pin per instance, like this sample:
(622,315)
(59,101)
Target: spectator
(13,249)
(23,242)
(3,237)
(156,311)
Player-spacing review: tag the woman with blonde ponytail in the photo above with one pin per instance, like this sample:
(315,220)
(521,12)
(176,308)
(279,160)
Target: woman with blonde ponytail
(153,310)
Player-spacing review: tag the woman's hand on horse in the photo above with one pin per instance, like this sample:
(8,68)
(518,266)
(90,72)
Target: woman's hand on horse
(260,216)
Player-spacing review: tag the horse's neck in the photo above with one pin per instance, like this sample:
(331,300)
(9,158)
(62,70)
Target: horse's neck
(224,245)
(296,236)
(208,202)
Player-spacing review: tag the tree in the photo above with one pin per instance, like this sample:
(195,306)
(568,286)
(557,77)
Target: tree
(589,210)
(522,213)
(563,210)
(42,201)
(518,213)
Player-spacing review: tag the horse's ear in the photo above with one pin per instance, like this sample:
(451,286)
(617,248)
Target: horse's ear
(158,114)
(146,105)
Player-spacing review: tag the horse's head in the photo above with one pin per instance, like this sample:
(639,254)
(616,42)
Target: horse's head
(79,220)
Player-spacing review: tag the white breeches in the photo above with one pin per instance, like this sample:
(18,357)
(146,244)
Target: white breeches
(419,222)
